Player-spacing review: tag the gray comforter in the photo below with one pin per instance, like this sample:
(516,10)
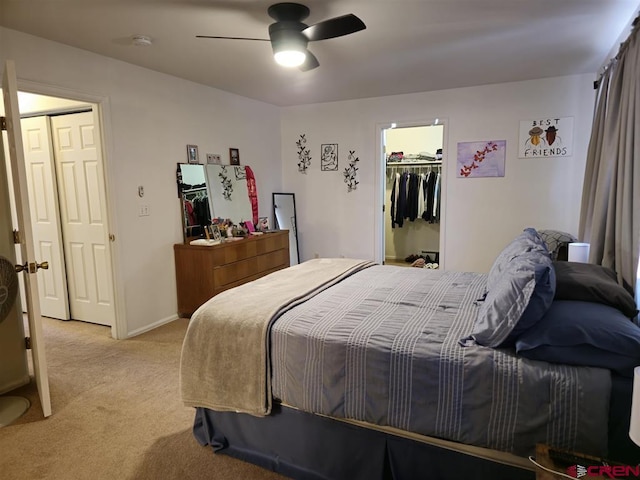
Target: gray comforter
(382,347)
(225,354)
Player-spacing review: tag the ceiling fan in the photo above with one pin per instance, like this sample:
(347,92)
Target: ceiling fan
(289,36)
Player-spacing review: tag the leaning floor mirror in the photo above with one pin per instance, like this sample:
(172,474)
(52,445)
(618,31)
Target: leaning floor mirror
(284,215)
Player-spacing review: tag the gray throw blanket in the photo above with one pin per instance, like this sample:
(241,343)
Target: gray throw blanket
(225,356)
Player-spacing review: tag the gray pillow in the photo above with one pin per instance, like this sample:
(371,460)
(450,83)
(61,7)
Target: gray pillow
(523,293)
(592,283)
(527,241)
(556,240)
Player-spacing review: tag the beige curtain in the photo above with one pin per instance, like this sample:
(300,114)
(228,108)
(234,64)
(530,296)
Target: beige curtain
(610,211)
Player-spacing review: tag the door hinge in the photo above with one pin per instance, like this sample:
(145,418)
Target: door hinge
(3,123)
(27,342)
(16,237)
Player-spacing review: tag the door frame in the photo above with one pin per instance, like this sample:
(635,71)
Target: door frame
(380,179)
(101,113)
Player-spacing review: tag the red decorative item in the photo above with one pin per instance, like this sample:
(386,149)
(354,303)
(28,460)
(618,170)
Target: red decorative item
(253,193)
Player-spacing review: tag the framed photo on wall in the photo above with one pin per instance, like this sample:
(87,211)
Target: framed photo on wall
(213,158)
(329,157)
(192,154)
(234,156)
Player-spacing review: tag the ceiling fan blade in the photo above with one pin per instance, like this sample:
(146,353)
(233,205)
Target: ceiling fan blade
(334,27)
(310,62)
(235,38)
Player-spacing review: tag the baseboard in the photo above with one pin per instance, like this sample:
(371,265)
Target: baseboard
(157,324)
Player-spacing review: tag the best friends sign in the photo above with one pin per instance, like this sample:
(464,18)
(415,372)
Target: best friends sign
(546,137)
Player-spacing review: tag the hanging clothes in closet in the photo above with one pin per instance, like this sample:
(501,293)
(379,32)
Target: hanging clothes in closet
(415,195)
(196,202)
(201,209)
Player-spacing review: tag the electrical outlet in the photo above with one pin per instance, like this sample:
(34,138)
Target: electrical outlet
(144,210)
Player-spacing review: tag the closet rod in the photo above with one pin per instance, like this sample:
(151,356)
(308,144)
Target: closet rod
(193,190)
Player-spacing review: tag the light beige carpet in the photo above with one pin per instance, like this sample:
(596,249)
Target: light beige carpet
(116,413)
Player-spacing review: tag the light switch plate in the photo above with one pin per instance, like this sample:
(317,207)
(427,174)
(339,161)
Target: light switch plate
(144,210)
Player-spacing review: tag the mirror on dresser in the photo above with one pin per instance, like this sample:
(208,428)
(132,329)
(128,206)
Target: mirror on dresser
(213,191)
(229,192)
(194,197)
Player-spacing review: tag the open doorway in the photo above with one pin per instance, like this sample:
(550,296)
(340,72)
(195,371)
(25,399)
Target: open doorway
(67,198)
(412,157)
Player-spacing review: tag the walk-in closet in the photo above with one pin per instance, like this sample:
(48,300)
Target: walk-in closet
(413,188)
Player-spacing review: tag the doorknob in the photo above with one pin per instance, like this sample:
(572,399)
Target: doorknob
(32,267)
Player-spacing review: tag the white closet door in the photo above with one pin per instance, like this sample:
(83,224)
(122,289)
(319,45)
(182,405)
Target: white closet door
(83,211)
(45,217)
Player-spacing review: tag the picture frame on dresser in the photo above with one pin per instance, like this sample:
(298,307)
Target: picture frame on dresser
(215,233)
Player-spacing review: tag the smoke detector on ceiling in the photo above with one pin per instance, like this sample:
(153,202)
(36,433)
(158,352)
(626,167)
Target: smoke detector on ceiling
(141,40)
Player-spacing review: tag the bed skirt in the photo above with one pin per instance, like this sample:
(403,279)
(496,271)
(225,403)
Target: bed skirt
(301,445)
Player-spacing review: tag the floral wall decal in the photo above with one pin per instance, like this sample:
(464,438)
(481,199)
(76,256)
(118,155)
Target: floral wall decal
(351,172)
(227,185)
(304,154)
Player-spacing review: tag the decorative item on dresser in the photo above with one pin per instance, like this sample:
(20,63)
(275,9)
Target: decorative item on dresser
(205,271)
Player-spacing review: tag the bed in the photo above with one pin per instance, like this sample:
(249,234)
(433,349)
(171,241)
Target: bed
(340,368)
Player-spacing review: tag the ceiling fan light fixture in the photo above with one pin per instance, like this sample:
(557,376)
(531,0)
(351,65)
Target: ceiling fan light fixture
(289,37)
(290,57)
(288,43)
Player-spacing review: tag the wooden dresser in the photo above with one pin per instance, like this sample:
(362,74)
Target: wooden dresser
(205,271)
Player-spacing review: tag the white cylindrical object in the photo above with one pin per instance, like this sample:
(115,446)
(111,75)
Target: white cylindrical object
(634,426)
(579,252)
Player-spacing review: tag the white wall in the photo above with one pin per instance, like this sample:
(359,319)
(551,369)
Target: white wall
(149,118)
(31,103)
(481,215)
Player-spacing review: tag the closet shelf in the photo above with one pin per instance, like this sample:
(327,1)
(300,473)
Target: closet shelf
(414,164)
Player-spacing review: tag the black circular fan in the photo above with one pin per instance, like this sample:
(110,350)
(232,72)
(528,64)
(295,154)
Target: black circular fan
(10,407)
(288,30)
(8,287)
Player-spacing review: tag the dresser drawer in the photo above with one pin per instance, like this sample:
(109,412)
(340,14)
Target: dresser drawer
(222,288)
(205,271)
(233,272)
(279,258)
(234,252)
